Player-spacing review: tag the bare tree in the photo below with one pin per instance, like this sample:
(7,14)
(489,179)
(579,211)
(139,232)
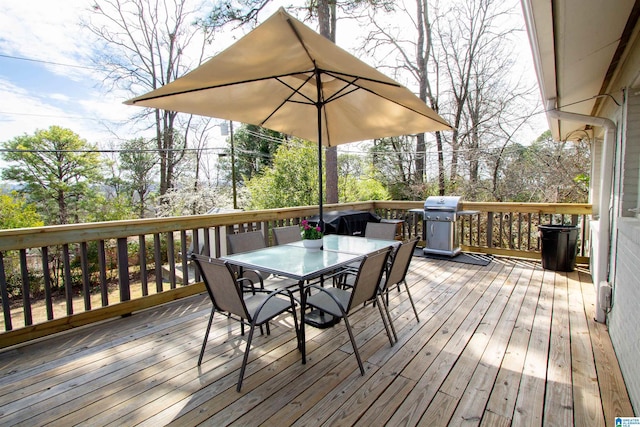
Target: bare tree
(138,162)
(326,11)
(545,171)
(394,161)
(458,55)
(415,55)
(476,44)
(144,45)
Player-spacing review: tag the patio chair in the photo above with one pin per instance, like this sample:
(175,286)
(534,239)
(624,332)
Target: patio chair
(380,230)
(245,242)
(251,241)
(341,302)
(288,234)
(227,297)
(396,276)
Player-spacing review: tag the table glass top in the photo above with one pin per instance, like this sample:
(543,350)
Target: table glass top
(292,261)
(352,244)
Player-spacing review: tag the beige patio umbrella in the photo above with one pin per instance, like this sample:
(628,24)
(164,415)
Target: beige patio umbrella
(270,78)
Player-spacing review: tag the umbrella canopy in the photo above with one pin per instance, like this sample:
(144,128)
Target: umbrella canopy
(286,77)
(269,78)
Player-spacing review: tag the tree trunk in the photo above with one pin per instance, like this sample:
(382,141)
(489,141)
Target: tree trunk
(161,154)
(421,148)
(327,20)
(441,171)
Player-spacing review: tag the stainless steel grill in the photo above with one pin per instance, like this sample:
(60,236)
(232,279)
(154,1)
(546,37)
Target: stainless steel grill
(440,216)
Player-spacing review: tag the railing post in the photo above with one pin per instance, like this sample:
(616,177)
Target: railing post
(46,277)
(171,260)
(68,285)
(123,269)
(519,230)
(26,300)
(102,266)
(157,253)
(217,241)
(489,229)
(196,250)
(4,293)
(84,267)
(207,242)
(184,258)
(142,256)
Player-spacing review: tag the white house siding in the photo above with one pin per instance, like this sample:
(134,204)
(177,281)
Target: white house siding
(624,319)
(631,155)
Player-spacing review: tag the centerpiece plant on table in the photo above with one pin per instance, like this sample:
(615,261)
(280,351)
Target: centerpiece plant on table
(310,232)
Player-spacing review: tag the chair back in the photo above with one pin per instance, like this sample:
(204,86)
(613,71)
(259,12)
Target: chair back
(380,230)
(401,261)
(244,242)
(222,287)
(288,234)
(369,275)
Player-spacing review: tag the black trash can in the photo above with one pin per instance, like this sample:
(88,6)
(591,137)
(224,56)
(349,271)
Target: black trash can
(559,246)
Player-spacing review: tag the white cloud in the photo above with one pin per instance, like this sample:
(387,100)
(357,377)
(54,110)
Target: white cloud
(59,97)
(22,112)
(46,32)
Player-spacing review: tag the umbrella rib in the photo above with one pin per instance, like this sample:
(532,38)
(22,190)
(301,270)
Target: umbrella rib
(288,99)
(356,87)
(198,89)
(297,90)
(339,94)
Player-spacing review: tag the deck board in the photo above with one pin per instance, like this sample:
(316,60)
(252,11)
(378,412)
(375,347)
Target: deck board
(505,344)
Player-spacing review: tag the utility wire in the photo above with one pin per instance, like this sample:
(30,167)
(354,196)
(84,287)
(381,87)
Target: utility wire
(40,61)
(150,150)
(55,116)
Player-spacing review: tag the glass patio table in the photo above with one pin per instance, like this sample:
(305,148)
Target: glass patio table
(294,262)
(352,244)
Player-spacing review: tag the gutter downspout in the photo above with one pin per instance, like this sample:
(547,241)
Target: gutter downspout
(600,271)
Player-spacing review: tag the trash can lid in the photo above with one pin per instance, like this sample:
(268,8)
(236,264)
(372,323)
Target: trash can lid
(557,227)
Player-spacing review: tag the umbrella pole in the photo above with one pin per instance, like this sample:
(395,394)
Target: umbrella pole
(319,104)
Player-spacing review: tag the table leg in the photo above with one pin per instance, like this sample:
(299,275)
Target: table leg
(303,303)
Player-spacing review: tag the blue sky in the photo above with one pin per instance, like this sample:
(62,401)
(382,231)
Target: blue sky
(35,93)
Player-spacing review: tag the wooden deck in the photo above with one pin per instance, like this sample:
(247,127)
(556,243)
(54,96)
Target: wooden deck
(505,344)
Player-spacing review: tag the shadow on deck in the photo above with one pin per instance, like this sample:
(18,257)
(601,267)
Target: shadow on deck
(504,344)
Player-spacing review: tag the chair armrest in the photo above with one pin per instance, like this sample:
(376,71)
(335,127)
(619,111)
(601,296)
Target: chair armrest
(257,273)
(251,288)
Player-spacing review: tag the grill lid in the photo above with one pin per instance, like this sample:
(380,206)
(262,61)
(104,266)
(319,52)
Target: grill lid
(443,203)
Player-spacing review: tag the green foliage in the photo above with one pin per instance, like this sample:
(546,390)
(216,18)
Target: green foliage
(254,148)
(58,171)
(137,162)
(370,189)
(544,171)
(292,181)
(109,208)
(356,180)
(393,165)
(245,11)
(13,276)
(309,231)
(15,212)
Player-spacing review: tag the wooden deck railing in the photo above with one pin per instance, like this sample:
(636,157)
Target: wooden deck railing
(59,277)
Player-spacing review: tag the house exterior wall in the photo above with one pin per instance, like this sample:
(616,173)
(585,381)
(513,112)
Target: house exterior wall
(623,320)
(631,156)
